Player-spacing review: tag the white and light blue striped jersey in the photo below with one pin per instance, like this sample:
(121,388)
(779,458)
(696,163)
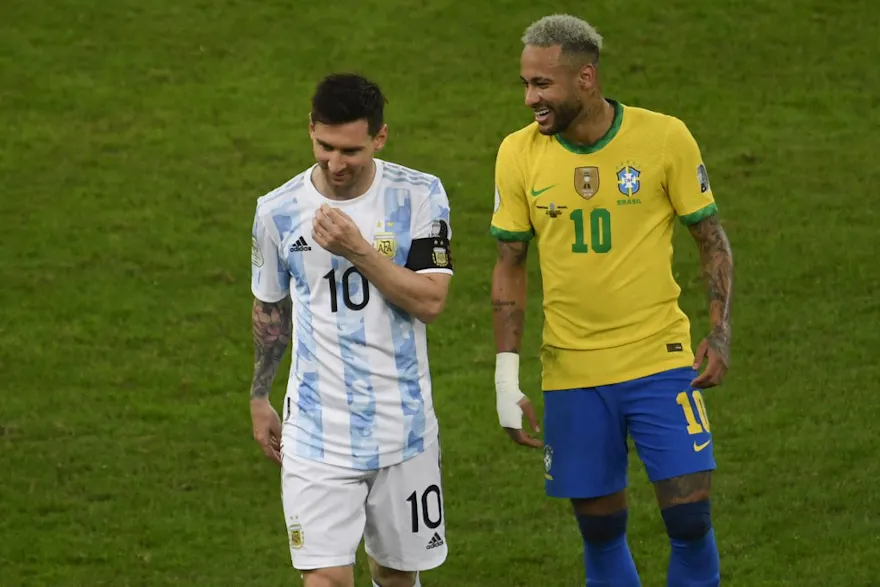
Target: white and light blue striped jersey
(359,393)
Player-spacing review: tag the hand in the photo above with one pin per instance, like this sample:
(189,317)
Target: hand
(267,428)
(515,431)
(715,349)
(336,232)
(511,403)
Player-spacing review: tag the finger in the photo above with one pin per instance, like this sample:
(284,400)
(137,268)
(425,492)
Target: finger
(526,406)
(706,379)
(700,355)
(521,438)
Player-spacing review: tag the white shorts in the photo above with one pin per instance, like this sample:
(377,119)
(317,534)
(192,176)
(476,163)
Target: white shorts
(398,511)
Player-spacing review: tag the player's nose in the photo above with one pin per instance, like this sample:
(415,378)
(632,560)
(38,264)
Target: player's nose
(335,164)
(532,97)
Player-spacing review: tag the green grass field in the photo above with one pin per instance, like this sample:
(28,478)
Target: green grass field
(136,137)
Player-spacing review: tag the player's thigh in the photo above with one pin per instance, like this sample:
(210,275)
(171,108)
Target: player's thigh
(406,518)
(324,510)
(585,451)
(669,424)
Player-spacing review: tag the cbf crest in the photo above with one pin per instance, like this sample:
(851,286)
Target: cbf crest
(586,181)
(629,180)
(385,243)
(295,533)
(548,461)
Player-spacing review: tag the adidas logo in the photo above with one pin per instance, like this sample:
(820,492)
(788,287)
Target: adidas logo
(299,246)
(435,542)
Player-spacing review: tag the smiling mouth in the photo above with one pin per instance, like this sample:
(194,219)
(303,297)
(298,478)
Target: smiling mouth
(542,114)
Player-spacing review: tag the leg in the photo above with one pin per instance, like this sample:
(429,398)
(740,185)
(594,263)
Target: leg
(670,426)
(324,512)
(405,525)
(686,510)
(585,460)
(385,577)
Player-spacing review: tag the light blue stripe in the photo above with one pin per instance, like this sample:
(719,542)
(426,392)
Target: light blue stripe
(356,368)
(398,207)
(416,178)
(310,440)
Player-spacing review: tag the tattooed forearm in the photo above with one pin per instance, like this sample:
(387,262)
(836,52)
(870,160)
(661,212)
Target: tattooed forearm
(509,295)
(271,327)
(716,260)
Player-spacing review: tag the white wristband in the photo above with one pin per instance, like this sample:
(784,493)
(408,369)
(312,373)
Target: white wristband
(507,392)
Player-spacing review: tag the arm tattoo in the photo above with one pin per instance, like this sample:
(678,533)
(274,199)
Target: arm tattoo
(271,327)
(716,260)
(513,252)
(684,489)
(508,295)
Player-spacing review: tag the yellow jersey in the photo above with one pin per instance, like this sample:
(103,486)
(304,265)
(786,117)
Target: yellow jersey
(603,217)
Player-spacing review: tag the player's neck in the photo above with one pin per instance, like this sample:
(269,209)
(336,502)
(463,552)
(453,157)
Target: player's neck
(358,188)
(593,123)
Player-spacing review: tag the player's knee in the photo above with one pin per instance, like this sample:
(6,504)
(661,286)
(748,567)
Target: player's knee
(328,577)
(688,521)
(386,577)
(601,529)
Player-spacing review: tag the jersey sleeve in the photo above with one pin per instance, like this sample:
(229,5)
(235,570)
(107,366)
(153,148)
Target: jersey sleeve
(430,250)
(270,280)
(510,219)
(687,181)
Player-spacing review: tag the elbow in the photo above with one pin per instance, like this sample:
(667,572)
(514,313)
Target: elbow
(431,310)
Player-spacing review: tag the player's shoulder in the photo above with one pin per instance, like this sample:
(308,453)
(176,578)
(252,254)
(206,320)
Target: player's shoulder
(644,119)
(397,175)
(284,196)
(523,139)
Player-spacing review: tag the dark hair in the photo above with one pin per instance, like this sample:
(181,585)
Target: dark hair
(346,97)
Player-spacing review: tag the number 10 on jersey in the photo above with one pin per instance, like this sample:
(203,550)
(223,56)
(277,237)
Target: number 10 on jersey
(600,231)
(346,278)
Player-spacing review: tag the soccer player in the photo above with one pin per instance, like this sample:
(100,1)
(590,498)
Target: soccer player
(599,185)
(354,252)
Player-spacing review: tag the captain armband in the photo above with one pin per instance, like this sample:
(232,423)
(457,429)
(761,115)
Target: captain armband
(432,252)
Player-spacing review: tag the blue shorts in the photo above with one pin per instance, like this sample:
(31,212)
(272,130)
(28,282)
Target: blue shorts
(585,433)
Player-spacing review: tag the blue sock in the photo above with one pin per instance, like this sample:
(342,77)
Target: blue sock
(694,559)
(607,559)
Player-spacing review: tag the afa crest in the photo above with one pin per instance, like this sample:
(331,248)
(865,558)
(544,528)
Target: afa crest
(629,180)
(586,181)
(440,257)
(385,243)
(297,539)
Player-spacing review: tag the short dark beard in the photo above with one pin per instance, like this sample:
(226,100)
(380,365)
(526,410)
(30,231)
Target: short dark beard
(564,114)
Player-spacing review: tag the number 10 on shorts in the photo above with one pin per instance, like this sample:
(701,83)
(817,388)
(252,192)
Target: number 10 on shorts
(694,427)
(427,509)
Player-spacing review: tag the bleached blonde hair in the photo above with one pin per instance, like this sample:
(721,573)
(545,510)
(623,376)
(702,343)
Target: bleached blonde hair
(575,36)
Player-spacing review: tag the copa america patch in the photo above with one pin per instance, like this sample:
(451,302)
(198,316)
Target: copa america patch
(703,178)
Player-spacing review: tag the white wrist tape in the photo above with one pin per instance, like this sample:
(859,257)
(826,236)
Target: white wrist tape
(507,392)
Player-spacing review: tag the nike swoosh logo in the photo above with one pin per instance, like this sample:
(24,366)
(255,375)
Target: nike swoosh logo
(536,193)
(699,447)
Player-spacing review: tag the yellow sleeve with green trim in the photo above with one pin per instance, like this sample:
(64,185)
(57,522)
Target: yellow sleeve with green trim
(510,220)
(687,181)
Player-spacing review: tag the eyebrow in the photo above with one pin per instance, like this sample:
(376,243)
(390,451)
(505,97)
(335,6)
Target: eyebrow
(535,79)
(327,145)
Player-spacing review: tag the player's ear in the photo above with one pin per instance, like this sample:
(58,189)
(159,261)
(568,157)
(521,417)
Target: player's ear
(587,77)
(380,138)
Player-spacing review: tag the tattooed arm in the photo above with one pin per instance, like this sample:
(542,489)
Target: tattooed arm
(271,330)
(508,308)
(509,295)
(716,261)
(271,327)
